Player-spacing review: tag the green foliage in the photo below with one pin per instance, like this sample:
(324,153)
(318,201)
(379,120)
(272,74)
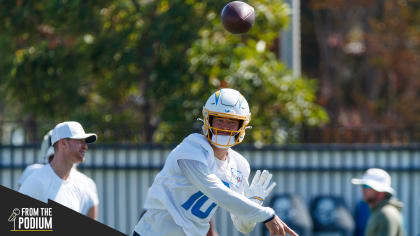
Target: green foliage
(140,71)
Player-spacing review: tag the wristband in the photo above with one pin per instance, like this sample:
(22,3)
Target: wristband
(269,219)
(258,198)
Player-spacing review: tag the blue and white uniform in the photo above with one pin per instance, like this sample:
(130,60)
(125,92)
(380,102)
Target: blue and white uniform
(192,184)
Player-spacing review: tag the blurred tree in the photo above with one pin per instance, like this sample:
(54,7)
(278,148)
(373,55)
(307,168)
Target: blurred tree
(140,71)
(369,53)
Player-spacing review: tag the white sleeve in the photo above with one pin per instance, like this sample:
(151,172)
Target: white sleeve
(212,187)
(240,224)
(33,188)
(27,172)
(91,192)
(243,226)
(91,196)
(94,194)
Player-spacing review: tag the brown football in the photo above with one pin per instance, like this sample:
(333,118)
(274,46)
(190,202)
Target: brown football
(238,17)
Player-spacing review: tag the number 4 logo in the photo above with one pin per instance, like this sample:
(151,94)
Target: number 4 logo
(196,201)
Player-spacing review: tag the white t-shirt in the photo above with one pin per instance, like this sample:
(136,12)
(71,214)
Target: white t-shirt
(88,188)
(192,183)
(28,171)
(78,192)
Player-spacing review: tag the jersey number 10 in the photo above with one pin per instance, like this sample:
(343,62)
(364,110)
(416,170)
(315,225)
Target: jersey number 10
(196,201)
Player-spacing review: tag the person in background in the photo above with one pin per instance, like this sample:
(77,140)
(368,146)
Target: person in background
(89,199)
(385,216)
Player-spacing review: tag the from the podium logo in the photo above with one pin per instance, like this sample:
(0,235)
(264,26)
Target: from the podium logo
(31,219)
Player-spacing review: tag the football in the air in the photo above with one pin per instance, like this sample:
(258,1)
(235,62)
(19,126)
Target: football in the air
(238,17)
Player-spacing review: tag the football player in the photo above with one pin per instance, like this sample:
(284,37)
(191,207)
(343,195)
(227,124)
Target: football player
(203,173)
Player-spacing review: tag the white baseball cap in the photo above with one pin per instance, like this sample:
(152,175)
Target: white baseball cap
(378,179)
(72,130)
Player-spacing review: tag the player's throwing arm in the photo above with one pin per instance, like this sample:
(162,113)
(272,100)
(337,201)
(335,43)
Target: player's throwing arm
(259,189)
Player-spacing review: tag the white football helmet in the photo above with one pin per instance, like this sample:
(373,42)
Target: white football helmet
(226,103)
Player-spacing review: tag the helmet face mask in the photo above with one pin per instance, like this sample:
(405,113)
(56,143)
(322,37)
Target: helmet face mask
(227,104)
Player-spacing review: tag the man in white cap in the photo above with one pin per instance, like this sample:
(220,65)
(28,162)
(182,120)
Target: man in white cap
(385,219)
(57,181)
(90,204)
